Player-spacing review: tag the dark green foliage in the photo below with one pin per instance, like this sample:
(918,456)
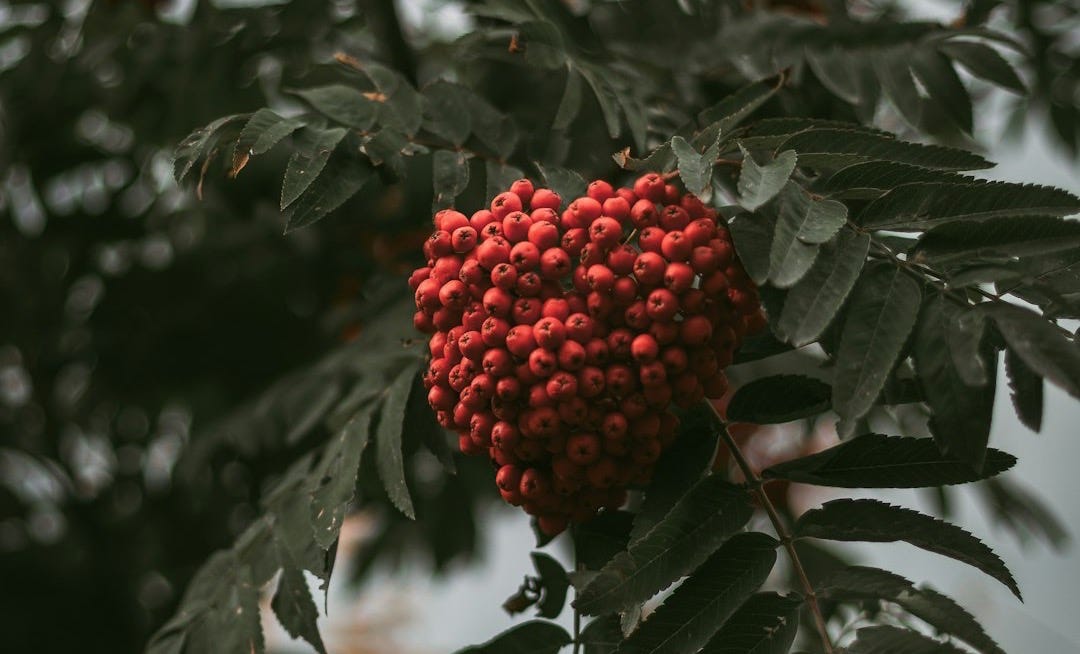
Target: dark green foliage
(780,398)
(893,640)
(765,624)
(534,637)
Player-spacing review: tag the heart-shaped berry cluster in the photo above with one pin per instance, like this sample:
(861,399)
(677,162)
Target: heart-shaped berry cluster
(563,373)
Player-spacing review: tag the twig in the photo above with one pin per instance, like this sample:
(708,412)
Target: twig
(781,530)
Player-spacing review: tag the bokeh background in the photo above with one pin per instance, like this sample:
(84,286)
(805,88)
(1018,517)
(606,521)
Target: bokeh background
(139,324)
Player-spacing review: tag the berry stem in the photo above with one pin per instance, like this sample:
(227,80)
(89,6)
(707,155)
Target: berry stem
(781,529)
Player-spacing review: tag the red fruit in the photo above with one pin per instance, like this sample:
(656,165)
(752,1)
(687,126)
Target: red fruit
(592,254)
(550,333)
(616,207)
(544,215)
(508,389)
(619,341)
(481,219)
(544,198)
(529,284)
(526,311)
(715,386)
(662,305)
(497,302)
(674,359)
(624,291)
(600,278)
(643,214)
(574,240)
(492,252)
(542,363)
(508,478)
(651,239)
(604,473)
(503,276)
(600,305)
(538,396)
(562,386)
(543,235)
(724,252)
(649,268)
(454,294)
(584,211)
(700,231)
(621,259)
(715,284)
(671,194)
(441,398)
(504,204)
(573,411)
(652,374)
(554,263)
(525,256)
(516,226)
(494,331)
(439,244)
(636,316)
(491,230)
(619,379)
(665,333)
(447,220)
(644,348)
(579,327)
(599,190)
(650,186)
(583,449)
(523,188)
(695,330)
(678,277)
(418,275)
(463,239)
(704,260)
(471,345)
(673,217)
(605,232)
(676,247)
(591,382)
(497,363)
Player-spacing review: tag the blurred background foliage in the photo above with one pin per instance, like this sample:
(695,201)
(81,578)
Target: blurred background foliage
(160,345)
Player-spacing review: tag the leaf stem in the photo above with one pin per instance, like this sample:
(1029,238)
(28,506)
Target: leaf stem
(781,529)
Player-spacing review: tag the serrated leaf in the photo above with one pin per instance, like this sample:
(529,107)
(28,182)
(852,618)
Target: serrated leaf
(760,183)
(1038,344)
(778,399)
(532,637)
(342,104)
(450,176)
(446,111)
(735,108)
(570,104)
(567,183)
(499,176)
(803,223)
(554,582)
(342,178)
(812,303)
(544,46)
(858,583)
(877,522)
(752,235)
(961,414)
(1027,391)
(660,160)
(260,133)
(997,239)
(678,469)
(765,624)
(388,441)
(293,605)
(882,311)
(335,477)
(894,640)
(399,106)
(597,541)
(869,179)
(602,635)
(838,72)
(892,69)
(695,168)
(943,86)
(605,96)
(833,149)
(388,147)
(771,133)
(877,461)
(922,205)
(984,62)
(494,129)
(696,609)
(308,161)
(196,144)
(704,518)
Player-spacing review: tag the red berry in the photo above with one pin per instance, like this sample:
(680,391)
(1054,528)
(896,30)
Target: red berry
(650,186)
(651,239)
(599,190)
(550,333)
(543,235)
(525,256)
(544,198)
(662,305)
(447,220)
(605,232)
(673,217)
(464,239)
(504,204)
(649,268)
(583,449)
(600,278)
(526,311)
(554,263)
(523,188)
(497,302)
(678,277)
(481,219)
(676,247)
(516,226)
(492,252)
(644,348)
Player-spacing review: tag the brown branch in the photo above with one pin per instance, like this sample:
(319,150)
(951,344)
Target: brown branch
(782,532)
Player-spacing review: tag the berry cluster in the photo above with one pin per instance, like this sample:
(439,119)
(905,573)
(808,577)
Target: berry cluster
(559,340)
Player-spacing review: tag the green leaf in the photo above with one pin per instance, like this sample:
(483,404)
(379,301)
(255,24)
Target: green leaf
(943,86)
(838,72)
(752,234)
(597,541)
(1045,349)
(880,316)
(499,176)
(771,133)
(758,184)
(388,440)
(735,108)
(342,104)
(292,603)
(606,97)
(335,477)
(893,71)
(997,239)
(833,149)
(660,160)
(387,147)
(704,518)
(602,635)
(1027,391)
(260,133)
(859,583)
(984,62)
(779,399)
(877,461)
(343,177)
(961,413)
(812,303)
(803,223)
(922,205)
(873,521)
(532,637)
(894,640)
(570,104)
(308,161)
(695,169)
(446,111)
(494,129)
(765,624)
(696,609)
(402,107)
(450,176)
(196,145)
(871,178)
(567,183)
(678,469)
(554,582)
